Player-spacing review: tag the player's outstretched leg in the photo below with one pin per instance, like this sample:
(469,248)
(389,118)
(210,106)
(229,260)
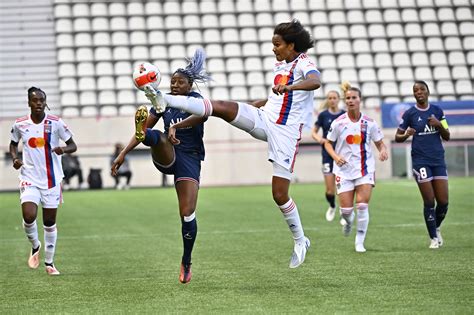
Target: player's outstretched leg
(141,116)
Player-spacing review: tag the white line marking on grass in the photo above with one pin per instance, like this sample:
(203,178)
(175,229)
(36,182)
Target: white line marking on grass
(262,231)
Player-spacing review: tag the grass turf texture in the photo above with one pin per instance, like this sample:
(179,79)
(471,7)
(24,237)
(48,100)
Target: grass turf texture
(119,251)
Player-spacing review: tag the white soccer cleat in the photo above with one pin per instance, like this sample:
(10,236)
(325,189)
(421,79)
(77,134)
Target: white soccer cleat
(347,228)
(330,214)
(156,98)
(299,253)
(52,271)
(360,248)
(440,238)
(33,260)
(434,244)
(342,221)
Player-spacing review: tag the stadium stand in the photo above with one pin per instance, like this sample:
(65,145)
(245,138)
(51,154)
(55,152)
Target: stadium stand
(91,48)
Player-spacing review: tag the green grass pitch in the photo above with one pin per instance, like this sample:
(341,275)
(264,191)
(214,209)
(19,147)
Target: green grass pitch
(119,252)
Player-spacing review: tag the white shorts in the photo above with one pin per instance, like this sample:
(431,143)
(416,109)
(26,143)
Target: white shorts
(343,185)
(283,140)
(49,198)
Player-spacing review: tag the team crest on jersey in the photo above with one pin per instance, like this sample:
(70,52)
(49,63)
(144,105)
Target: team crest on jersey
(47,126)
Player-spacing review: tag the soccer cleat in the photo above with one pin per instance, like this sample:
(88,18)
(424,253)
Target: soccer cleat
(52,271)
(434,243)
(299,253)
(330,214)
(185,274)
(33,260)
(360,248)
(440,238)
(347,228)
(141,116)
(342,221)
(156,98)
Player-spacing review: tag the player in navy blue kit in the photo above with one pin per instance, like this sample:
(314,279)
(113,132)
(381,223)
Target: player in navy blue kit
(330,112)
(427,124)
(183,157)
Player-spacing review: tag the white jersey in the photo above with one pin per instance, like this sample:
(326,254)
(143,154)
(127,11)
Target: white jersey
(41,166)
(294,107)
(354,145)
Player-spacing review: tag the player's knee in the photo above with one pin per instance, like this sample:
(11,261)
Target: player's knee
(428,203)
(280,197)
(49,222)
(28,218)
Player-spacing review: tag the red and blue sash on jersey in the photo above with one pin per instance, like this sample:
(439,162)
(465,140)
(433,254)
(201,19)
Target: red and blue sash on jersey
(287,99)
(48,154)
(363,151)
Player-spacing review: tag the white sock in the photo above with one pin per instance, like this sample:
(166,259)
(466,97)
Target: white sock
(50,236)
(192,105)
(362,222)
(292,218)
(347,214)
(31,231)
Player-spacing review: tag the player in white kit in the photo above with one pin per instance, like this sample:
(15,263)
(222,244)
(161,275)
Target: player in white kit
(40,172)
(354,163)
(277,120)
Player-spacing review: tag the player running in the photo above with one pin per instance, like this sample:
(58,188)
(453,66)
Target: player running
(427,124)
(277,120)
(41,173)
(354,162)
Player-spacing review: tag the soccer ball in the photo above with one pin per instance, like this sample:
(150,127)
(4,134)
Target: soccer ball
(146,73)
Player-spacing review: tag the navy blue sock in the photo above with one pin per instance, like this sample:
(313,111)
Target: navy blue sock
(189,233)
(430,220)
(441,211)
(152,137)
(332,200)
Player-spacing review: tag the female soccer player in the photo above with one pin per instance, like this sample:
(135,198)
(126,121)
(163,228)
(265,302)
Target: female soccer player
(41,173)
(184,158)
(427,124)
(355,163)
(277,120)
(330,111)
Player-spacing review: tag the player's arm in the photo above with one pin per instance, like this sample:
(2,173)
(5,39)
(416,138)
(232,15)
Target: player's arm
(310,83)
(383,153)
(330,150)
(70,147)
(190,121)
(17,163)
(316,136)
(259,103)
(441,125)
(118,161)
(403,135)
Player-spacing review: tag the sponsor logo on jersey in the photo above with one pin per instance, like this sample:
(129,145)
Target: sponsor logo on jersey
(428,130)
(354,139)
(36,142)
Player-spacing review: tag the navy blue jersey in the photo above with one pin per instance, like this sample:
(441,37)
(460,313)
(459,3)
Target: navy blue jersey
(426,146)
(190,138)
(325,118)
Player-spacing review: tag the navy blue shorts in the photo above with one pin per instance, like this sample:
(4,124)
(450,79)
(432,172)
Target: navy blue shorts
(424,172)
(327,164)
(187,166)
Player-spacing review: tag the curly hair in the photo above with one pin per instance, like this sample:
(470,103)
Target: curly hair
(294,32)
(33,89)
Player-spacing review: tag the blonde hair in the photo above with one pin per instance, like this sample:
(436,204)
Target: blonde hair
(324,104)
(346,86)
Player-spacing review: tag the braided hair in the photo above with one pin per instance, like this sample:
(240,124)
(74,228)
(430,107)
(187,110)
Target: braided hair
(195,71)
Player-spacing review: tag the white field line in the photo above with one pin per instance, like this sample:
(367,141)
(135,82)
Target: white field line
(259,231)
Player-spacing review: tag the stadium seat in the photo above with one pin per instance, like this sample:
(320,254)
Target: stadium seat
(85,69)
(367,75)
(269,63)
(460,72)
(464,14)
(251,50)
(69,112)
(135,8)
(385,74)
(349,74)
(379,45)
(370,89)
(335,5)
(428,15)
(420,59)
(434,44)
(191,21)
(234,64)
(343,46)
(457,58)
(416,44)
(87,84)
(445,87)
(232,50)
(327,61)
(373,16)
(355,16)
(330,76)
(120,39)
(140,53)
(230,35)
(392,16)
(468,43)
(441,73)
(90,111)
(80,9)
(264,19)
(253,64)
(98,9)
(431,29)
(281,17)
(438,59)
(340,32)
(319,17)
(138,38)
(109,98)
(67,84)
(404,73)
(398,45)
(62,10)
(406,87)
(173,22)
(175,37)
(154,23)
(466,28)
(401,60)
(101,39)
(64,40)
(413,30)
(464,87)
(171,7)
(123,82)
(154,8)
(100,24)
(84,54)
(410,15)
(207,7)
(136,23)
(423,73)
(82,25)
(324,47)
(345,60)
(364,60)
(239,93)
(212,36)
(446,14)
(449,29)
(255,78)
(261,6)
(383,60)
(358,31)
(88,98)
(214,50)
(371,102)
(122,68)
(118,24)
(105,83)
(63,26)
(117,9)
(66,55)
(67,70)
(389,88)
(377,31)
(394,30)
